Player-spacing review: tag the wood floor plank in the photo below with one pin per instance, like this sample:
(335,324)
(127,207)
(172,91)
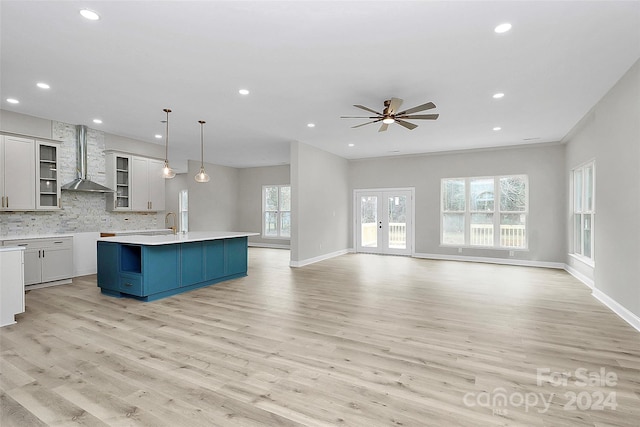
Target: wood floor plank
(357,340)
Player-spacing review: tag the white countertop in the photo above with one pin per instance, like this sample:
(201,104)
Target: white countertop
(11,248)
(147,231)
(167,239)
(35,236)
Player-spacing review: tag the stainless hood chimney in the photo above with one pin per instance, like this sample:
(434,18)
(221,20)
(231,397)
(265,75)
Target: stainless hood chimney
(82,183)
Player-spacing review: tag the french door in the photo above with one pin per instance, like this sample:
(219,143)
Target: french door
(384,221)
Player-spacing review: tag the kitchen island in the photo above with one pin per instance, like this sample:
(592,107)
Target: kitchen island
(149,267)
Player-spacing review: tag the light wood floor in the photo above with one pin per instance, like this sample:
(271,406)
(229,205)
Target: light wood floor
(358,340)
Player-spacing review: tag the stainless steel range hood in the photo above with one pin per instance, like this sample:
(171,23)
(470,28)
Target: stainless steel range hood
(82,183)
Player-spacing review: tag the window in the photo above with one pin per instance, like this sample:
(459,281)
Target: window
(276,211)
(485,211)
(583,210)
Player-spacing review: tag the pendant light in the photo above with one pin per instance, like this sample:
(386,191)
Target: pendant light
(167,172)
(202,175)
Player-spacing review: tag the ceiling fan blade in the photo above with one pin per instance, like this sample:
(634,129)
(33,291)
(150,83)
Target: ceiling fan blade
(363,124)
(420,117)
(427,106)
(367,109)
(383,127)
(394,105)
(357,117)
(408,125)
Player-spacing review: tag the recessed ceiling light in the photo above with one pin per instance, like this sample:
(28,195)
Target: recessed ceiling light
(43,85)
(497,128)
(97,121)
(502,28)
(158,136)
(498,95)
(12,101)
(243,91)
(311,125)
(89,14)
(352,145)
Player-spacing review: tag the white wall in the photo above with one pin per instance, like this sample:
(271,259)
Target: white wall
(213,205)
(320,202)
(542,163)
(250,199)
(610,134)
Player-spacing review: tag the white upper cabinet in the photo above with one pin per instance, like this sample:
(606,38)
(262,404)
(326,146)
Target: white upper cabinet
(17,173)
(138,183)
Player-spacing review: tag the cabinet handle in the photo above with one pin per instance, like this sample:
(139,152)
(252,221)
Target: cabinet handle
(59,203)
(43,253)
(128,284)
(7,201)
(23,244)
(3,201)
(150,205)
(58,242)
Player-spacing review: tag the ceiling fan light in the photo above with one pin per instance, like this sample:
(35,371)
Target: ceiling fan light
(388,121)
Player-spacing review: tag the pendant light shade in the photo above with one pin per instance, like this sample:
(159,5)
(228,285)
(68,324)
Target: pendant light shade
(202,175)
(167,172)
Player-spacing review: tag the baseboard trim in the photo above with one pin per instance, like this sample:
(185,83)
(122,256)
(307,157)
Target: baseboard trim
(581,277)
(503,261)
(318,258)
(269,245)
(618,309)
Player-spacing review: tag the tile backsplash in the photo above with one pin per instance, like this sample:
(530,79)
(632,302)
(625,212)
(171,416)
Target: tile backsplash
(81,212)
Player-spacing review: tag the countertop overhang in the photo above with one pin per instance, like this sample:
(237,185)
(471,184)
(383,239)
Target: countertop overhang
(168,239)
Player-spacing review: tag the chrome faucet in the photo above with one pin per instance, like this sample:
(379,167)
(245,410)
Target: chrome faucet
(174,227)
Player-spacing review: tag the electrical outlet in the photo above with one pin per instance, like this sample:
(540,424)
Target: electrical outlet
(511,253)
(459,250)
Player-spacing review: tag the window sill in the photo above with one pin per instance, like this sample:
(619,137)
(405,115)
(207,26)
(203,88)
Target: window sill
(275,238)
(493,248)
(584,260)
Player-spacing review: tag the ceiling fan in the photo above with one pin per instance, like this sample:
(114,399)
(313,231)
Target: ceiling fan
(391,114)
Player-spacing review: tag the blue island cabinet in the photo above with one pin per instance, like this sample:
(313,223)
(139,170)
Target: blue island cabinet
(150,272)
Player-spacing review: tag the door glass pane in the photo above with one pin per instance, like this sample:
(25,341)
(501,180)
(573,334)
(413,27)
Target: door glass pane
(586,239)
(513,230)
(398,222)
(285,224)
(453,229)
(481,229)
(481,196)
(271,224)
(369,221)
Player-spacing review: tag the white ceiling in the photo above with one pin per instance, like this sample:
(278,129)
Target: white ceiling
(310,62)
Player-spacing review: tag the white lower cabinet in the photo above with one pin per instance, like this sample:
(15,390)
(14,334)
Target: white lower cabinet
(11,285)
(46,260)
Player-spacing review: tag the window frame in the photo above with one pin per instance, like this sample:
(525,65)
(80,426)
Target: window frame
(496,212)
(278,212)
(584,209)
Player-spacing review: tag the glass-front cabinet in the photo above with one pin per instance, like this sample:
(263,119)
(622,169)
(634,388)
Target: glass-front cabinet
(119,178)
(48,186)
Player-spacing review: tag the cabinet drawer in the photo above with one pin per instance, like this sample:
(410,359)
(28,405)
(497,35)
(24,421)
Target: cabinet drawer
(60,243)
(131,284)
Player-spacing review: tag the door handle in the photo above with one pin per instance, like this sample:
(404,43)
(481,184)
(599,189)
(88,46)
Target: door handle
(380,224)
